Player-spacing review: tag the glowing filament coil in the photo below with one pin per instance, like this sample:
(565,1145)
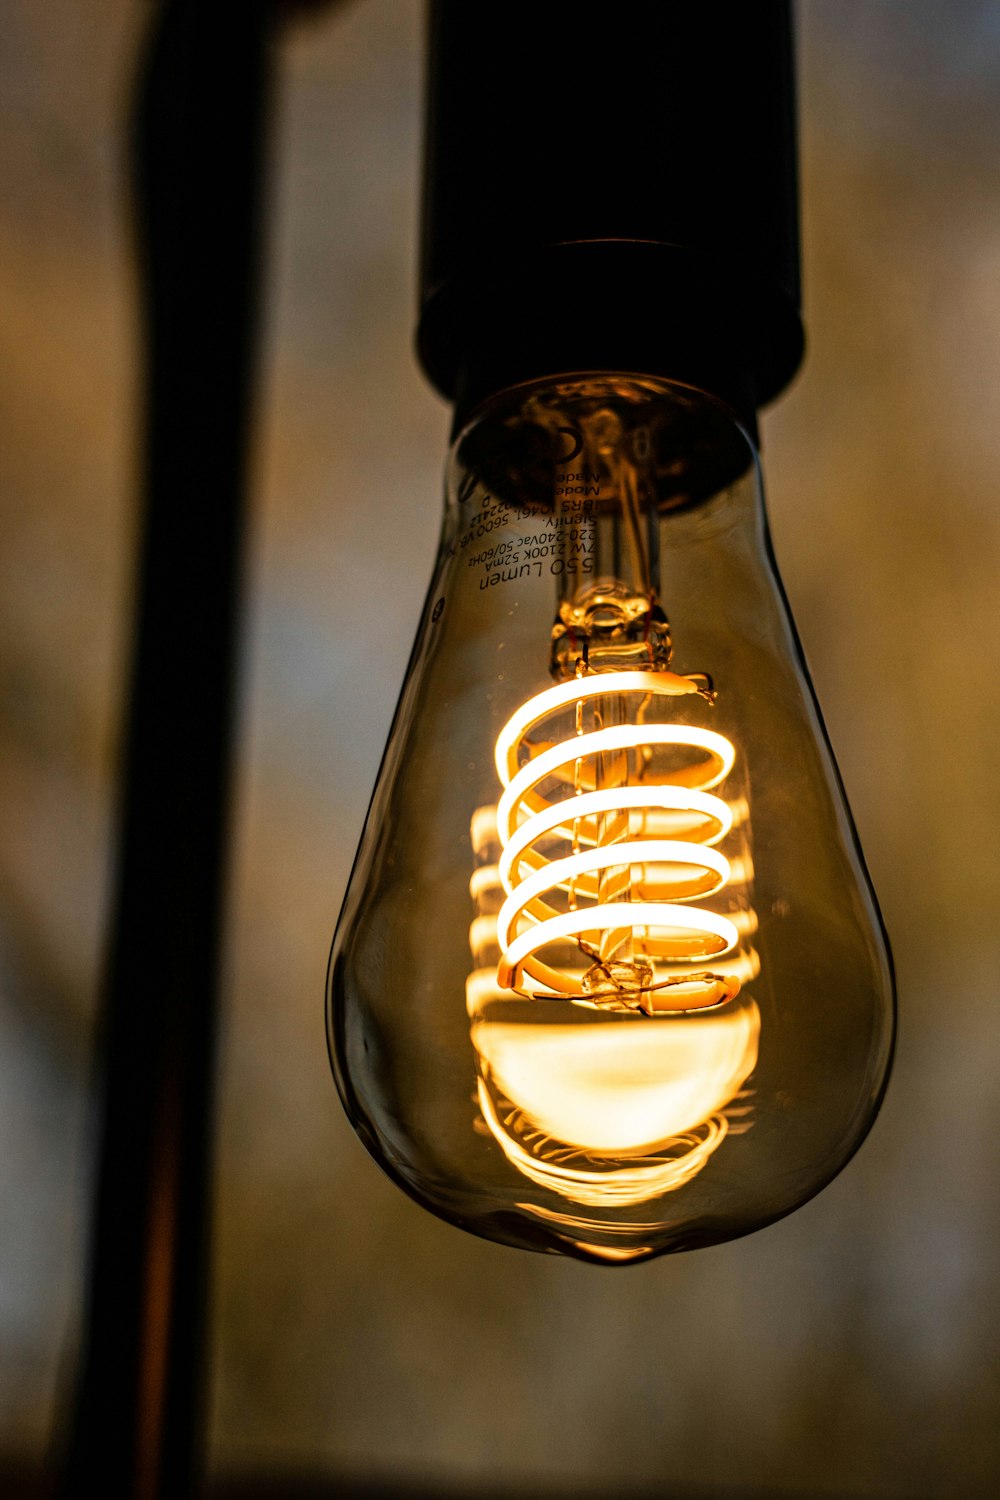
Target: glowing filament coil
(607,834)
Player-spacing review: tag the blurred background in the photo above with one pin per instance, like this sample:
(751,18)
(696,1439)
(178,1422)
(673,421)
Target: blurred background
(850,1350)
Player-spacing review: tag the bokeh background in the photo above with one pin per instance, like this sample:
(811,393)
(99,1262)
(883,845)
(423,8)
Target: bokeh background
(851,1350)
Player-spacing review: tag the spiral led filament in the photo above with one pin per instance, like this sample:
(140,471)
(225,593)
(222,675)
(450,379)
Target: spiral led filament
(607,837)
(594,870)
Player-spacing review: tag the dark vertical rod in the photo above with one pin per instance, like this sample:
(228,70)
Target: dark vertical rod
(199,136)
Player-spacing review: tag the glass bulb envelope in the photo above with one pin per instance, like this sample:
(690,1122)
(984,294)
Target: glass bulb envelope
(610,978)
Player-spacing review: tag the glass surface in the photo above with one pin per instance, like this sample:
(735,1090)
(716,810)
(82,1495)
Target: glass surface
(610,978)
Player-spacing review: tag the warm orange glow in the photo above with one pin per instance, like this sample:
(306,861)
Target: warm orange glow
(606,834)
(604,1001)
(626,1087)
(616,1109)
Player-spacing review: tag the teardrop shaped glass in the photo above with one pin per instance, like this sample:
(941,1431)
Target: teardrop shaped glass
(610,978)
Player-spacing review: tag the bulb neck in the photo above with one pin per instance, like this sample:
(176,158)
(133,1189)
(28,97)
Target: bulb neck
(577,445)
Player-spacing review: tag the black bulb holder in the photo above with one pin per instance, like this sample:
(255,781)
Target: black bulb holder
(610,188)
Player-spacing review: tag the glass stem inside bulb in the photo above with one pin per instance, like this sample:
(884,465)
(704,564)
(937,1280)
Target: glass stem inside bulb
(608,623)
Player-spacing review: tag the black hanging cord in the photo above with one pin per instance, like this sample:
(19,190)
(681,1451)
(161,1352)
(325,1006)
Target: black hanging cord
(197,171)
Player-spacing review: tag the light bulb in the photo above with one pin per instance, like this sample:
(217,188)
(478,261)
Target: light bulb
(610,978)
